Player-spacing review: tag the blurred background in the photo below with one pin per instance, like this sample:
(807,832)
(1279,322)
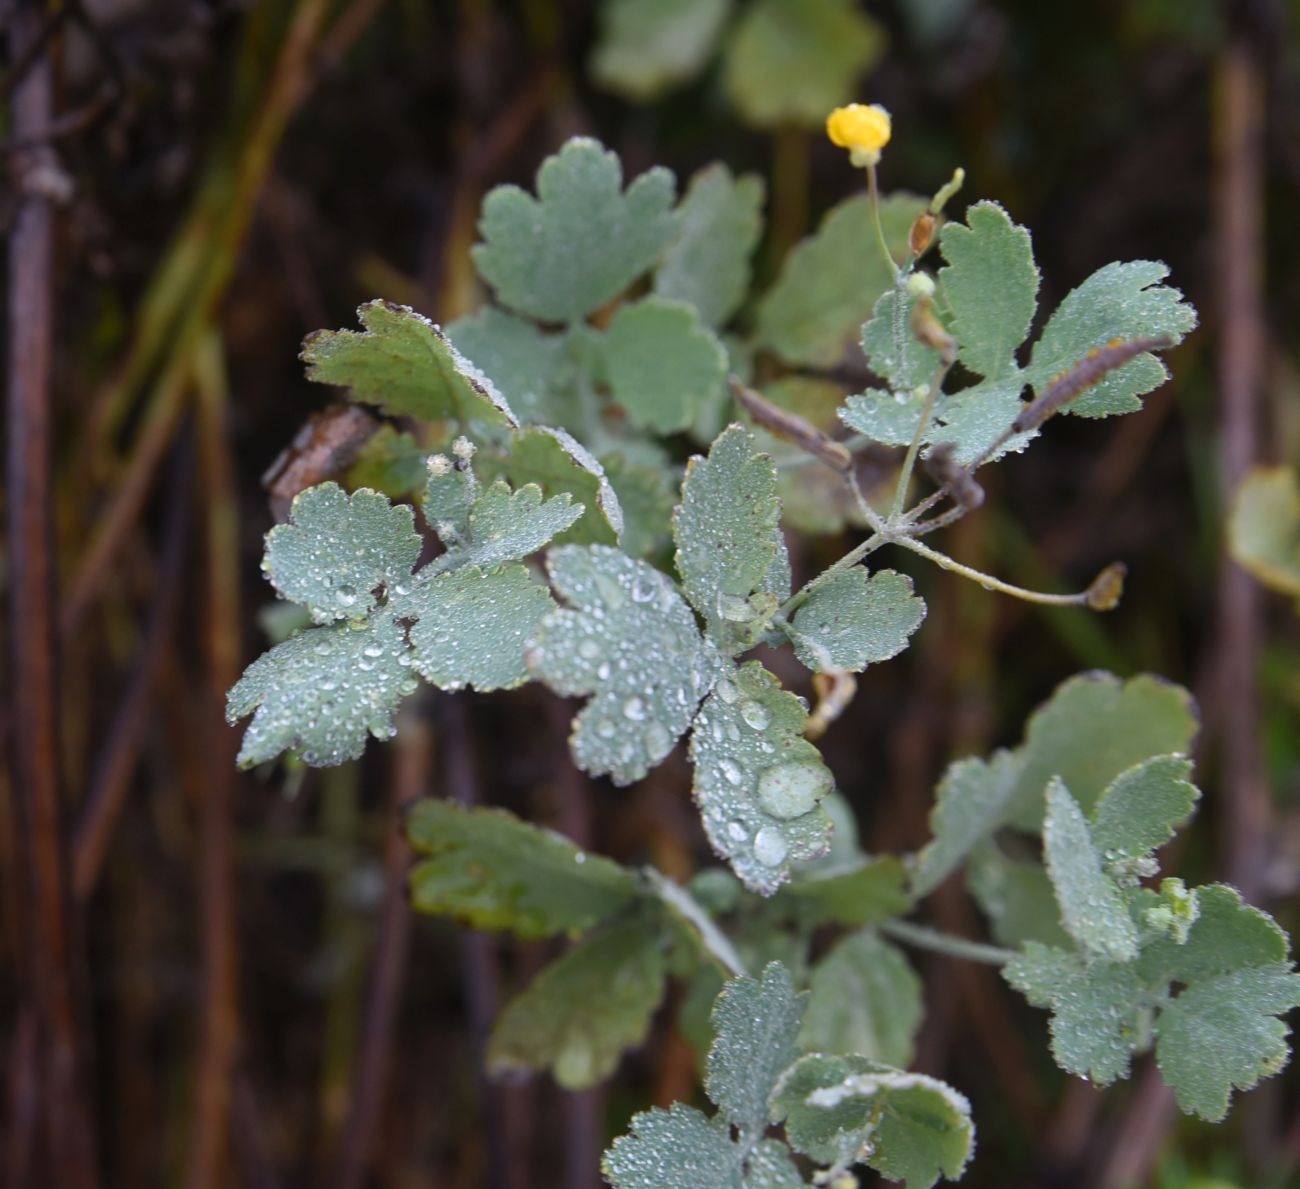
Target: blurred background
(210,978)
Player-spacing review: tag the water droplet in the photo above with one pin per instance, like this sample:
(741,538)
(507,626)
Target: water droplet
(727,690)
(328,684)
(755,714)
(642,590)
(634,708)
(346,595)
(603,671)
(790,790)
(658,742)
(589,650)
(373,650)
(770,846)
(737,830)
(580,857)
(731,772)
(605,729)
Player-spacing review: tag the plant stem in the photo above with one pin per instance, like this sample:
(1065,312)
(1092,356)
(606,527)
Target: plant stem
(925,938)
(854,555)
(988,581)
(873,194)
(914,448)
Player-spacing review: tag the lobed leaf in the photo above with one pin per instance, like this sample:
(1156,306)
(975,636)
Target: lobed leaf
(717,227)
(505,525)
(757,781)
(581,241)
(521,361)
(584,1009)
(490,870)
(894,352)
(1016,895)
(390,462)
(631,642)
(404,364)
(855,620)
(647,47)
(1142,807)
(882,416)
(678,1148)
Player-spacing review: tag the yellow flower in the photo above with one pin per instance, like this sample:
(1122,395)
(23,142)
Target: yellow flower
(862,128)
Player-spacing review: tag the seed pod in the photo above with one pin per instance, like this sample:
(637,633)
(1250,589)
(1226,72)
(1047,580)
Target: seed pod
(792,427)
(1106,590)
(918,239)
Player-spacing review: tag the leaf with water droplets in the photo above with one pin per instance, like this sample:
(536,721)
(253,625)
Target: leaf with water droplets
(907,1126)
(757,780)
(855,620)
(883,417)
(389,462)
(1093,911)
(581,241)
(340,554)
(1142,808)
(1016,896)
(628,639)
(520,360)
(728,537)
(647,493)
(717,226)
(678,1148)
(490,870)
(505,525)
(897,356)
(973,419)
(404,364)
(584,1009)
(475,627)
(1119,301)
(864,998)
(662,363)
(323,692)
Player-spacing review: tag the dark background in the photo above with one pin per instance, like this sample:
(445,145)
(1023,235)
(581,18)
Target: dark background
(210,979)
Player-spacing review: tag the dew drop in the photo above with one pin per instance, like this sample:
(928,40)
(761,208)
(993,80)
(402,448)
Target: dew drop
(791,790)
(769,846)
(603,671)
(589,650)
(634,709)
(373,650)
(755,714)
(658,743)
(605,729)
(727,690)
(346,595)
(731,772)
(737,830)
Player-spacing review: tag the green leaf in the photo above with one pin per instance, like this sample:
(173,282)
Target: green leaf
(1142,807)
(1093,728)
(475,626)
(582,1011)
(728,536)
(1119,301)
(1092,909)
(757,781)
(647,47)
(911,1127)
(990,286)
(856,620)
(581,241)
(1016,895)
(1223,1034)
(972,801)
(792,61)
(717,227)
(647,493)
(864,998)
(770,1166)
(520,360)
(633,643)
(756,1025)
(506,525)
(974,418)
(1264,528)
(830,283)
(490,870)
(1227,935)
(883,417)
(323,692)
(679,1148)
(340,554)
(894,352)
(662,363)
(863,893)
(404,364)
(390,462)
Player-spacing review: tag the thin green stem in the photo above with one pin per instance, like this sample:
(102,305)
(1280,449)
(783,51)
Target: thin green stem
(854,555)
(914,448)
(873,193)
(987,581)
(926,938)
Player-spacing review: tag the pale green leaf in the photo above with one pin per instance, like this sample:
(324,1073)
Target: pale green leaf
(662,363)
(792,61)
(1142,807)
(883,417)
(519,359)
(855,620)
(474,627)
(557,462)
(717,226)
(1227,935)
(972,801)
(630,641)
(490,870)
(974,418)
(1223,1034)
(1264,529)
(864,997)
(756,1024)
(1092,729)
(647,493)
(861,892)
(770,1166)
(404,364)
(323,692)
(911,1127)
(678,1148)
(506,525)
(1120,301)
(647,47)
(829,284)
(581,241)
(1016,895)
(728,537)
(340,554)
(893,350)
(757,781)
(1093,911)
(583,1010)
(990,288)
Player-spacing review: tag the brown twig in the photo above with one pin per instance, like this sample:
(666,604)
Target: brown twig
(48,949)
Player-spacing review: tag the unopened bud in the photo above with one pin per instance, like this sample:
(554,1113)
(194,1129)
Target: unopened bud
(930,332)
(918,239)
(920,284)
(1107,588)
(438,466)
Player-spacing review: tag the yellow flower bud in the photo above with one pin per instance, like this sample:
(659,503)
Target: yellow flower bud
(862,128)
